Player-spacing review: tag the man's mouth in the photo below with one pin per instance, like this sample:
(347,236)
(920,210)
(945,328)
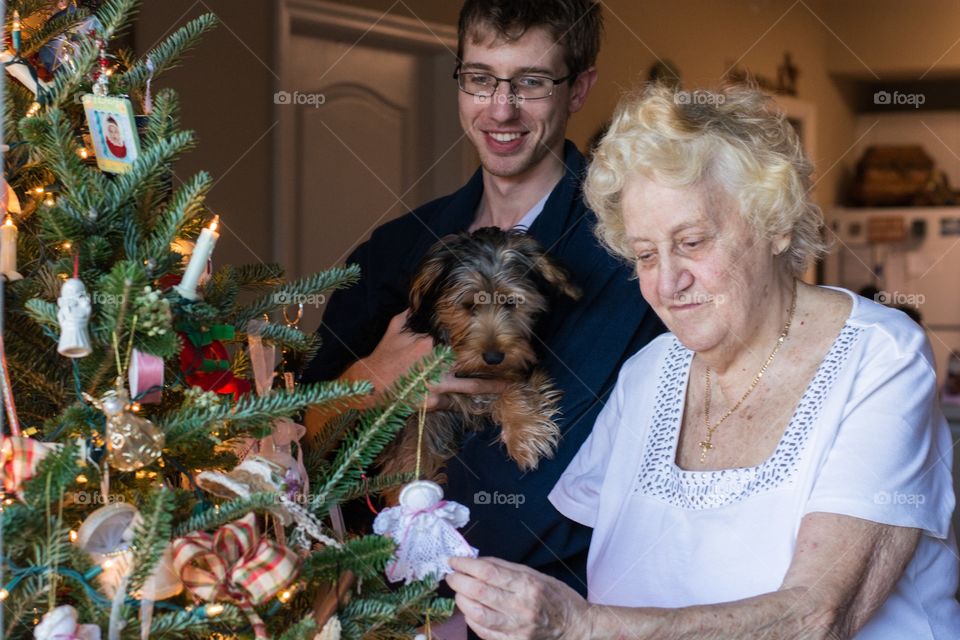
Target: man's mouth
(505,137)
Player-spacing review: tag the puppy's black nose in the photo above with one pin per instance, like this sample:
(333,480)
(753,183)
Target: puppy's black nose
(493,357)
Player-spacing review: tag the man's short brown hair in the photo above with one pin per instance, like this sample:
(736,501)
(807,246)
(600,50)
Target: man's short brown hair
(576,25)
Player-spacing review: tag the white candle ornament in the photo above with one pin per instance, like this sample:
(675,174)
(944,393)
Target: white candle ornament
(198,260)
(8,249)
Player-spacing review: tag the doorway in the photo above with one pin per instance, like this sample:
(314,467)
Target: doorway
(368,128)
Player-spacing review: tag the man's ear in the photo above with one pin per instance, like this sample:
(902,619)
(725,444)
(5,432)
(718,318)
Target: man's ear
(580,89)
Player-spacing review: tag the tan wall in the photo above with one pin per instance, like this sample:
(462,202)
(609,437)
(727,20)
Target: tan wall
(226,90)
(702,38)
(227,84)
(893,38)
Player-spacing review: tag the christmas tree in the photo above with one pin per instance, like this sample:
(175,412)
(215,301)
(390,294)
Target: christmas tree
(155,483)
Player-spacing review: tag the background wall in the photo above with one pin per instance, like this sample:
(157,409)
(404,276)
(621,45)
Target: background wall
(227,84)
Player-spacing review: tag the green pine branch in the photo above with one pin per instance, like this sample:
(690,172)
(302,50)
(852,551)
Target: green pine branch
(152,160)
(228,512)
(186,203)
(375,485)
(366,557)
(66,84)
(151,537)
(299,290)
(259,275)
(55,474)
(54,27)
(379,426)
(286,337)
(166,55)
(177,624)
(305,629)
(252,410)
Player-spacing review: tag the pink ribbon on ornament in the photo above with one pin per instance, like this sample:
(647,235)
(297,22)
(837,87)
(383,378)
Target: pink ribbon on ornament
(235,563)
(146,377)
(277,446)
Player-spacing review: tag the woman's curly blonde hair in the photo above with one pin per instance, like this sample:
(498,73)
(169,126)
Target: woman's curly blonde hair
(732,137)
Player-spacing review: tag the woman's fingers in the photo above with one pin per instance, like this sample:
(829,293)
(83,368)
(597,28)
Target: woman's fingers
(485,622)
(499,574)
(516,601)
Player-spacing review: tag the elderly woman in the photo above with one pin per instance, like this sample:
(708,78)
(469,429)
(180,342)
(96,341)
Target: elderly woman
(776,466)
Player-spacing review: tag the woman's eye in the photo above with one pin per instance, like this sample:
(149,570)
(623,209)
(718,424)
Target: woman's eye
(691,244)
(646,257)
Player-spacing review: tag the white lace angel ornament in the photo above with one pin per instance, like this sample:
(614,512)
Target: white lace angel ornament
(424,527)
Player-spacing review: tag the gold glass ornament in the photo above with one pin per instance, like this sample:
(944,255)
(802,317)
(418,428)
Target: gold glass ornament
(132,442)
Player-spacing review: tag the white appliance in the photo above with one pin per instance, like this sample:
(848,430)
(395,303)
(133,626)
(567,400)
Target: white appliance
(922,270)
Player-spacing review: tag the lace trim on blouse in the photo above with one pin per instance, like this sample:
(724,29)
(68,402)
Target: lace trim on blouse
(662,479)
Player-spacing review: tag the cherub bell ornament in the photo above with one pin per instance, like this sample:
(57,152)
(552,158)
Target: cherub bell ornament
(132,442)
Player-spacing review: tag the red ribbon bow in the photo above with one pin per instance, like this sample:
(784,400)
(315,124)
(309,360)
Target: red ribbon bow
(235,563)
(20,459)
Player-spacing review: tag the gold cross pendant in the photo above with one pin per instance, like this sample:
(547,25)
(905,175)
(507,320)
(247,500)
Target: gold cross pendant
(704,447)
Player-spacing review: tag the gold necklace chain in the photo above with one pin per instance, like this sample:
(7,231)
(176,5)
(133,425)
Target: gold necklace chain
(707,444)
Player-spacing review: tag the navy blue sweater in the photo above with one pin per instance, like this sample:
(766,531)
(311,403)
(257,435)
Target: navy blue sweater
(584,343)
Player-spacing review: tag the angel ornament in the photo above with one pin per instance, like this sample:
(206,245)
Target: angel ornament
(73,314)
(424,527)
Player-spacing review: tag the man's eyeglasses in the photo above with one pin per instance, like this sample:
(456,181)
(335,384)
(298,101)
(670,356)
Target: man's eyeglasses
(524,87)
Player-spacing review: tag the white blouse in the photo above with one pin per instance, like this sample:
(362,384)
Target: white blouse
(867,440)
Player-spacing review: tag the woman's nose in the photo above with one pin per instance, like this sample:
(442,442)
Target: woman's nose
(672,279)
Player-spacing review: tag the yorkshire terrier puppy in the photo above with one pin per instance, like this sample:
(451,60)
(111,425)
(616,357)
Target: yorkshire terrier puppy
(482,294)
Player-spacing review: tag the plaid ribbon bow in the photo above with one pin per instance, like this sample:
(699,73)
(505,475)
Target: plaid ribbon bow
(236,564)
(20,457)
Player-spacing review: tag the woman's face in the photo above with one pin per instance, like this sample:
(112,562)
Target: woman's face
(700,265)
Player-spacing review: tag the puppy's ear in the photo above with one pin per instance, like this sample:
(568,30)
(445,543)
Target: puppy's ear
(427,285)
(556,276)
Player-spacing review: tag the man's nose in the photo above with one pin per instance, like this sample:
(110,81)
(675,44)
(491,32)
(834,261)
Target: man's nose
(503,104)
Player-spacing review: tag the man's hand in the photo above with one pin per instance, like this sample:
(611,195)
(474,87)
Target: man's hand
(399,350)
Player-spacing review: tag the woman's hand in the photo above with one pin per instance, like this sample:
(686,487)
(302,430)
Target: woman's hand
(505,601)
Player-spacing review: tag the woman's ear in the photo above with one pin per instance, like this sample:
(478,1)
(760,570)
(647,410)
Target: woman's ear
(781,243)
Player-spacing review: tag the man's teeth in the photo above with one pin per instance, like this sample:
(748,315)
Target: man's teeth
(505,137)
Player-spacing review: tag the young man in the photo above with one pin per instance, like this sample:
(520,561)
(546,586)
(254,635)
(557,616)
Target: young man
(524,67)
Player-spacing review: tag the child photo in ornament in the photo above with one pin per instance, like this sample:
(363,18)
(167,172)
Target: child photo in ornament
(112,132)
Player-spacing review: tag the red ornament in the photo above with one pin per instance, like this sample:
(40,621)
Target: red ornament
(196,364)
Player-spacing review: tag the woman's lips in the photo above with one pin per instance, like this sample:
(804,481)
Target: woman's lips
(684,307)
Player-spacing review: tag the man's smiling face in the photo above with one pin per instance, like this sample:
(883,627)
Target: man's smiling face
(513,137)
